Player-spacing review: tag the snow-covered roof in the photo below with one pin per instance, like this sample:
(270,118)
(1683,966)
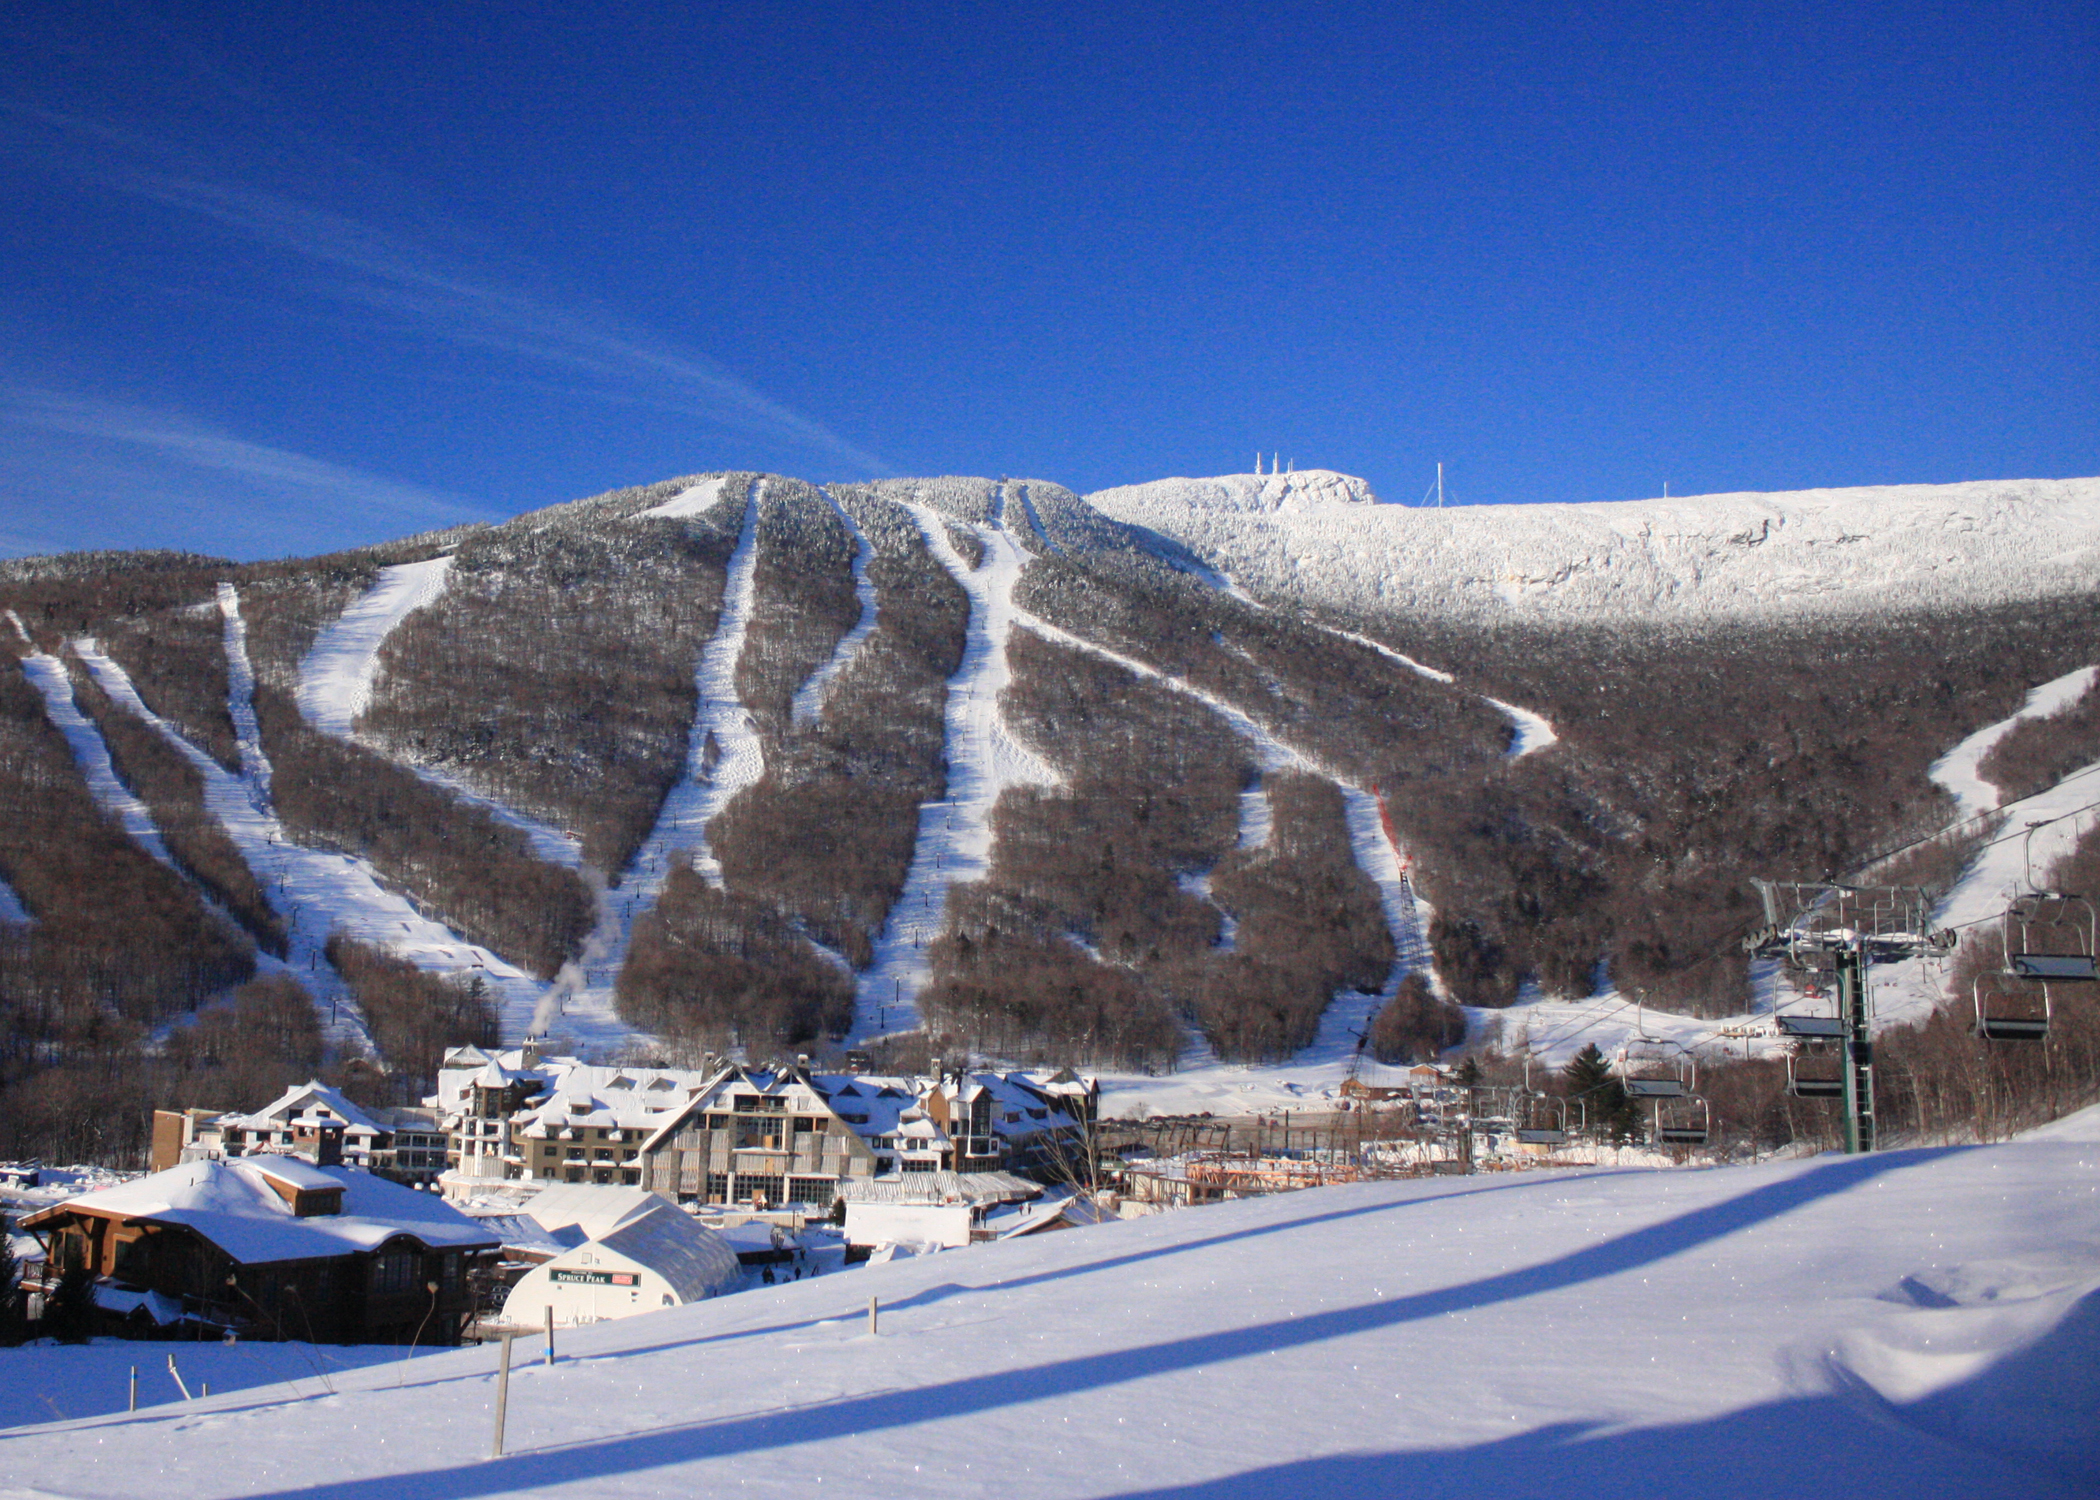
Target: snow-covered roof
(595,1209)
(307,1101)
(232,1204)
(640,1099)
(941,1187)
(696,1260)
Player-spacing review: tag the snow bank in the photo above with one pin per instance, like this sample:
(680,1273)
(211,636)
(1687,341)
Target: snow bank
(1317,537)
(1731,1333)
(46,1382)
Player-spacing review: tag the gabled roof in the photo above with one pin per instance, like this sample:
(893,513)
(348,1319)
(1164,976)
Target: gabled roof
(232,1204)
(302,1099)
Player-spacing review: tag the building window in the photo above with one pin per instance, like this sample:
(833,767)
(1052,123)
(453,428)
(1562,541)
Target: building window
(816,1192)
(393,1273)
(718,1187)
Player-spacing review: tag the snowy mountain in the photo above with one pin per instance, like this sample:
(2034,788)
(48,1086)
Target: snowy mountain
(1200,774)
(1320,537)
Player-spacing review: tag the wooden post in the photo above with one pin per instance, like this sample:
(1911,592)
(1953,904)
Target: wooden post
(502,1396)
(872,1329)
(550,1337)
(178,1378)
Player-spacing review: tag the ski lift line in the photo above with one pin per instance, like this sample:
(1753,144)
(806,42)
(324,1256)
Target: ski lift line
(1714,1032)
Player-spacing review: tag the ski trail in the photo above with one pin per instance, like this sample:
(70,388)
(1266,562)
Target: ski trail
(20,629)
(809,699)
(1399,905)
(1956,770)
(335,680)
(723,756)
(1035,522)
(240,696)
(687,503)
(954,841)
(335,686)
(92,756)
(1533,731)
(318,892)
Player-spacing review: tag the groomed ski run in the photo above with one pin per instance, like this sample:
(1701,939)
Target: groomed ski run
(316,891)
(1348,1014)
(723,756)
(809,698)
(954,840)
(336,678)
(1956,770)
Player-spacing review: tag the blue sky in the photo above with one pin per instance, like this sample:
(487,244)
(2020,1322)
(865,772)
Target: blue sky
(287,277)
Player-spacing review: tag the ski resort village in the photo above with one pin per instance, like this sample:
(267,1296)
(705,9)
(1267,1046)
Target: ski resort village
(1219,987)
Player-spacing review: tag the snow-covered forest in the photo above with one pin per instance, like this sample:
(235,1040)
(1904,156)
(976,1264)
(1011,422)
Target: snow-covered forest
(1217,772)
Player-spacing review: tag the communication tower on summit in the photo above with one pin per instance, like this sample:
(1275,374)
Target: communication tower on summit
(1828,929)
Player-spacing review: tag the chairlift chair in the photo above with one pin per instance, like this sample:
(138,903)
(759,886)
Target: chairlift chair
(1686,1121)
(1648,1069)
(1815,1064)
(2050,936)
(1545,1121)
(2010,1009)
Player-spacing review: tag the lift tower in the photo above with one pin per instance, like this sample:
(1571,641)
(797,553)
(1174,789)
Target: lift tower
(1840,930)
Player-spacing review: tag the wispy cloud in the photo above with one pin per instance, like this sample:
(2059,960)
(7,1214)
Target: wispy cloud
(183,444)
(439,296)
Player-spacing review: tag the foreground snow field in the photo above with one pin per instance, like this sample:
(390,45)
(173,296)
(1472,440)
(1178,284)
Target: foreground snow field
(1917,1323)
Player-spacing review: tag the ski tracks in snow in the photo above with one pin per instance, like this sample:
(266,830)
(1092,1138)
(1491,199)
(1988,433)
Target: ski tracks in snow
(954,840)
(809,698)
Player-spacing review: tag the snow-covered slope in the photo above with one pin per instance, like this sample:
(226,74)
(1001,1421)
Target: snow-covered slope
(1918,1323)
(1318,536)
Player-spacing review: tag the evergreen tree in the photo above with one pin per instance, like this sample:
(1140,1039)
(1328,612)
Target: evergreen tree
(1591,1080)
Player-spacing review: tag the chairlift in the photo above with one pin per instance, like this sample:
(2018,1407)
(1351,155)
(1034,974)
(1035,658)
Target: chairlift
(1648,1069)
(2010,1009)
(1815,1063)
(1665,1076)
(2049,935)
(1682,1122)
(1545,1121)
